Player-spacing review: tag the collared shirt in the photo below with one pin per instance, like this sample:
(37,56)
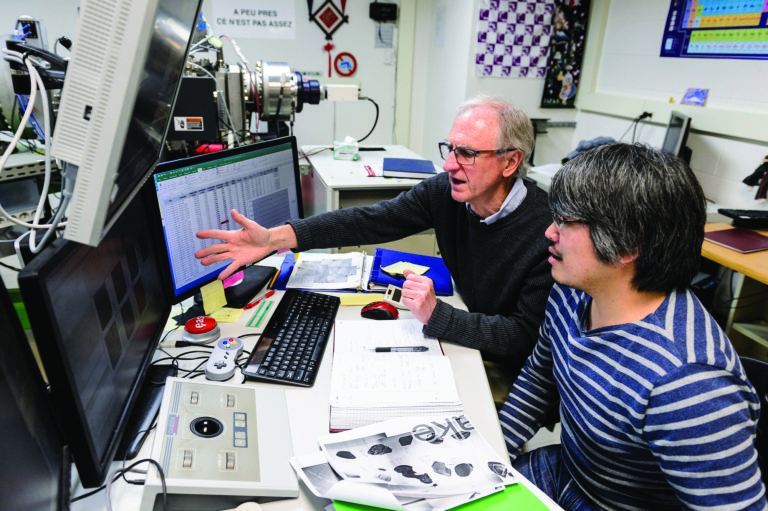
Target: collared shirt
(513,200)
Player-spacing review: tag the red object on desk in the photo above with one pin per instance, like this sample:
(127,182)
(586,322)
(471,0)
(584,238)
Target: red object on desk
(739,239)
(256,302)
(200,325)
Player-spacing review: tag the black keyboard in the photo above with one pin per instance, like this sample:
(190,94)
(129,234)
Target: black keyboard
(291,347)
(750,218)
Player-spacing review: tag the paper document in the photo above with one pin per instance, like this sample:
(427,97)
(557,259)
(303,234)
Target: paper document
(329,271)
(398,269)
(387,369)
(441,461)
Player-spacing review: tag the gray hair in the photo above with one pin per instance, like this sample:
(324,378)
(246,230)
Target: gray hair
(636,200)
(515,128)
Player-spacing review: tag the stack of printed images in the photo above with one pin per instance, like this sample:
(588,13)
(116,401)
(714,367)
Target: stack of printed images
(411,463)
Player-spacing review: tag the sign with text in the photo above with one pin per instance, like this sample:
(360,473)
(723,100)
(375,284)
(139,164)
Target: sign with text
(254,19)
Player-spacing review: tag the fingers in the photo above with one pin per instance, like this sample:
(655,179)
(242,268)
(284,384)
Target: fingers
(208,234)
(415,279)
(245,222)
(212,250)
(213,259)
(229,270)
(240,219)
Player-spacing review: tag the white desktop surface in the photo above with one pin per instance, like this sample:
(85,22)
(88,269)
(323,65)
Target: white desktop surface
(346,174)
(308,410)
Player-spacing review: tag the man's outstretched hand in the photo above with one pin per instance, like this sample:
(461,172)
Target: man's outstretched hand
(244,246)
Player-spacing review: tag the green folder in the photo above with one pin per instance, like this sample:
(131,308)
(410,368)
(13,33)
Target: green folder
(514,496)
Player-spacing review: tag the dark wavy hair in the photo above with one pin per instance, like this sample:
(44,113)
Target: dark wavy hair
(636,200)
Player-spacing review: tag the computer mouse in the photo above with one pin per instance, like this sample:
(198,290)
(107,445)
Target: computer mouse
(379,310)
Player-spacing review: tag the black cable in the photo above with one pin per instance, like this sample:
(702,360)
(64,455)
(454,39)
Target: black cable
(375,121)
(634,122)
(63,41)
(120,473)
(726,304)
(247,335)
(8,266)
(89,494)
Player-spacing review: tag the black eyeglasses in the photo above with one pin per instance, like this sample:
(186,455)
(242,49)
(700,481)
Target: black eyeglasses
(561,221)
(465,155)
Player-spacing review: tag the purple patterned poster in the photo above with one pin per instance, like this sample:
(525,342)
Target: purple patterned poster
(513,38)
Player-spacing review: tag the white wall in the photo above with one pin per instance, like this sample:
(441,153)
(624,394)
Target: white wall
(630,64)
(316,124)
(442,42)
(444,76)
(628,77)
(623,77)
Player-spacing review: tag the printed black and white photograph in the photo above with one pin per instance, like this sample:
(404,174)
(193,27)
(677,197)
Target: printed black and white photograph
(435,457)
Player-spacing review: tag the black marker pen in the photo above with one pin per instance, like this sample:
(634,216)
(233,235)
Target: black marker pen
(393,349)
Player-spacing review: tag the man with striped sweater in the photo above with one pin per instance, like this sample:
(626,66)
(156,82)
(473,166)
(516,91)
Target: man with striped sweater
(656,410)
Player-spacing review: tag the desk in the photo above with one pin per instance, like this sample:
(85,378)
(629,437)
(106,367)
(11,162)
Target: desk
(308,410)
(334,184)
(744,305)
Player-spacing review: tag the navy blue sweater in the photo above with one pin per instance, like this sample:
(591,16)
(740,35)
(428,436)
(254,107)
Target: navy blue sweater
(500,270)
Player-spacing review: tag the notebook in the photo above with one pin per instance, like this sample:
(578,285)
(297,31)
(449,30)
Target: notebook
(373,380)
(408,168)
(739,239)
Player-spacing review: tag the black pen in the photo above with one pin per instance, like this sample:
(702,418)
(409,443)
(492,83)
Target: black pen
(392,349)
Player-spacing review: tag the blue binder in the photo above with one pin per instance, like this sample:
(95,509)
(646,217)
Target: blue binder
(438,272)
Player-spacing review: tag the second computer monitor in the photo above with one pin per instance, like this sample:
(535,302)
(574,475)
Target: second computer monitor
(676,136)
(261,181)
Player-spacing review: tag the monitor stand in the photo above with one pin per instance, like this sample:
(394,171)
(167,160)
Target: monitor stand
(685,154)
(144,412)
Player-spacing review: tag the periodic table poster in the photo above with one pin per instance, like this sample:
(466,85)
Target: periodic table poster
(726,29)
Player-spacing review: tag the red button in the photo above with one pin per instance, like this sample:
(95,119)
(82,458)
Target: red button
(200,325)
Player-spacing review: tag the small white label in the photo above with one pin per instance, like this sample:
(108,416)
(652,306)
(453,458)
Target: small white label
(188,123)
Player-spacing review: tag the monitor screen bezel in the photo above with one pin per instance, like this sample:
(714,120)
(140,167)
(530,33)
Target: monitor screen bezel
(21,375)
(680,131)
(93,133)
(156,219)
(92,466)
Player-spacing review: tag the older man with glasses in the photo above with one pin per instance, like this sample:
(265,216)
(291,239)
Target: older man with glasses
(489,224)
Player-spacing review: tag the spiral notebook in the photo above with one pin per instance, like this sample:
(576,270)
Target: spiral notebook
(372,380)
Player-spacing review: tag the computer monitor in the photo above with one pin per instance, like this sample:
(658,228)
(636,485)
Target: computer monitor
(260,180)
(677,135)
(35,467)
(118,94)
(97,314)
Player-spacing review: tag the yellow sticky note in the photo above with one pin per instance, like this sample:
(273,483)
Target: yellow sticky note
(227,315)
(399,267)
(360,298)
(213,296)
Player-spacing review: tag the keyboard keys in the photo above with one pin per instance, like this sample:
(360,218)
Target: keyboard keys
(299,331)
